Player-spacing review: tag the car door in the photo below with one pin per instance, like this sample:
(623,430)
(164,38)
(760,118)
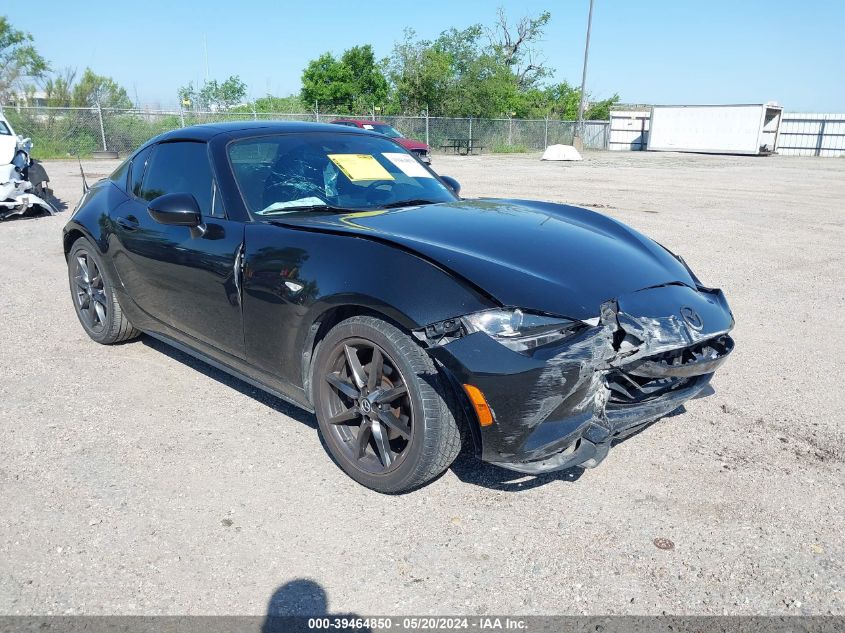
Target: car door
(185,277)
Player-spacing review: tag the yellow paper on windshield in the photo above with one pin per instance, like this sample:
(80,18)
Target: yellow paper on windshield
(360,167)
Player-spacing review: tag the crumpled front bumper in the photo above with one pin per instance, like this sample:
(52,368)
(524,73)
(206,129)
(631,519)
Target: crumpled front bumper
(563,405)
(15,198)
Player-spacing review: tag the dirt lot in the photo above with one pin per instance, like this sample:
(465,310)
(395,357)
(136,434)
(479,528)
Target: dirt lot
(136,480)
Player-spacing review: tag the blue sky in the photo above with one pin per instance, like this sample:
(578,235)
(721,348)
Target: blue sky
(649,51)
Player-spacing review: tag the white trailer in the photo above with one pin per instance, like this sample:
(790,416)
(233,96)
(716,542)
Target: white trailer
(715,129)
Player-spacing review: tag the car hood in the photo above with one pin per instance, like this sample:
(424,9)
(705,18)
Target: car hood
(547,257)
(409,144)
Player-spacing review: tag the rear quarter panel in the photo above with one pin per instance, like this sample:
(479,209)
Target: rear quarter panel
(92,216)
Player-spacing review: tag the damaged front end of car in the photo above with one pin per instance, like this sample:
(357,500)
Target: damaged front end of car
(24,185)
(561,394)
(17,197)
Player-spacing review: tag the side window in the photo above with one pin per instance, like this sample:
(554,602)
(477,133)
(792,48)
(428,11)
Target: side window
(136,173)
(181,167)
(118,176)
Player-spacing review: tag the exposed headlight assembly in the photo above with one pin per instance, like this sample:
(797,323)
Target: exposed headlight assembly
(518,330)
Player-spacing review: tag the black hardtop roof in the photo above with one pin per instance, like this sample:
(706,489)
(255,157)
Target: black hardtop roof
(207,131)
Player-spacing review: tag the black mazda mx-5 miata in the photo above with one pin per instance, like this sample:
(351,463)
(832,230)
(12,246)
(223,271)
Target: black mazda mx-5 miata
(331,268)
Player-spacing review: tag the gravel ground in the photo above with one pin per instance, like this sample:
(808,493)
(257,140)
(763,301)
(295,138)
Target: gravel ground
(135,480)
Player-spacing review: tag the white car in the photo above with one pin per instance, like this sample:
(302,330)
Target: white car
(24,185)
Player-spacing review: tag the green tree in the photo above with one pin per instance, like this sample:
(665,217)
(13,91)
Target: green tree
(460,74)
(422,76)
(93,89)
(455,75)
(477,71)
(63,90)
(290,104)
(600,110)
(19,60)
(187,95)
(488,89)
(514,46)
(58,89)
(213,95)
(223,95)
(560,101)
(368,80)
(353,82)
(462,46)
(324,81)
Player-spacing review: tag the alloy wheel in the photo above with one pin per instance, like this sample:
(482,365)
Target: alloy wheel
(90,292)
(369,409)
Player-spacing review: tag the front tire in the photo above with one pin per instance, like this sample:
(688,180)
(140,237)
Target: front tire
(93,296)
(383,408)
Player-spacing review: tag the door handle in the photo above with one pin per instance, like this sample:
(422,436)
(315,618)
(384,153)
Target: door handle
(130,222)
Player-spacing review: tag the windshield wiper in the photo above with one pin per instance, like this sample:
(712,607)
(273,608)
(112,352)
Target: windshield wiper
(408,203)
(305,207)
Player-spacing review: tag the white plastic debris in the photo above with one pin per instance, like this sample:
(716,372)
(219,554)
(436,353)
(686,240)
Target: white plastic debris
(561,152)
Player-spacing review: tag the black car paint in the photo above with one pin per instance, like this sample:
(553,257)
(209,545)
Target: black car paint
(249,295)
(553,258)
(559,395)
(310,259)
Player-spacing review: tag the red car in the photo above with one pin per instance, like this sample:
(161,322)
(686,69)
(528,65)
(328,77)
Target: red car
(418,148)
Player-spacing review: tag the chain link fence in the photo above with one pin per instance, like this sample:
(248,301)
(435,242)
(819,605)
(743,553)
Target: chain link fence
(62,132)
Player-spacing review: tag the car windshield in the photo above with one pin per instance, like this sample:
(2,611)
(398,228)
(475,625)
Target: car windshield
(322,171)
(388,130)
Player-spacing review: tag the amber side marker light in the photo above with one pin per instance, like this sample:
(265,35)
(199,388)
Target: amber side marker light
(479,403)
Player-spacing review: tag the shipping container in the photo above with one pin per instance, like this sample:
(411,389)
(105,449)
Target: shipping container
(715,129)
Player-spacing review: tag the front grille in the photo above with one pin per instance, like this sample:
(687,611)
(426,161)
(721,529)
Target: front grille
(658,375)
(626,389)
(698,358)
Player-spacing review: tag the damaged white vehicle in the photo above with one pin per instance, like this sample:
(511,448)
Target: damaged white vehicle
(24,185)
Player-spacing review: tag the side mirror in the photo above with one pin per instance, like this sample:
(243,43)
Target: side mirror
(453,184)
(176,209)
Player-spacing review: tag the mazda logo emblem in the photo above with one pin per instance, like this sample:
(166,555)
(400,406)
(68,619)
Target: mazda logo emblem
(692,318)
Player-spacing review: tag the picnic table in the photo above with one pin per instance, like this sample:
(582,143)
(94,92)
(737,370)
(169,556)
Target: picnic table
(462,146)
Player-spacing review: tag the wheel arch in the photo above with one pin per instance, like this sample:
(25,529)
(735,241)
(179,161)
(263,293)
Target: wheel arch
(91,219)
(325,316)
(322,323)
(71,234)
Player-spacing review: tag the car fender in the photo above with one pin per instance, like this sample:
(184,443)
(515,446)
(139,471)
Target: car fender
(294,277)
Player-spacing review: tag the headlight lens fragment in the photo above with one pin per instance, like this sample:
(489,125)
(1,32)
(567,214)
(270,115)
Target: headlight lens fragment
(519,330)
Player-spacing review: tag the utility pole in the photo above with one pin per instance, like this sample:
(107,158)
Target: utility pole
(205,51)
(579,131)
(102,127)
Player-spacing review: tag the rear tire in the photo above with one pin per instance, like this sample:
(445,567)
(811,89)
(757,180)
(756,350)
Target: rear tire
(94,301)
(384,411)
